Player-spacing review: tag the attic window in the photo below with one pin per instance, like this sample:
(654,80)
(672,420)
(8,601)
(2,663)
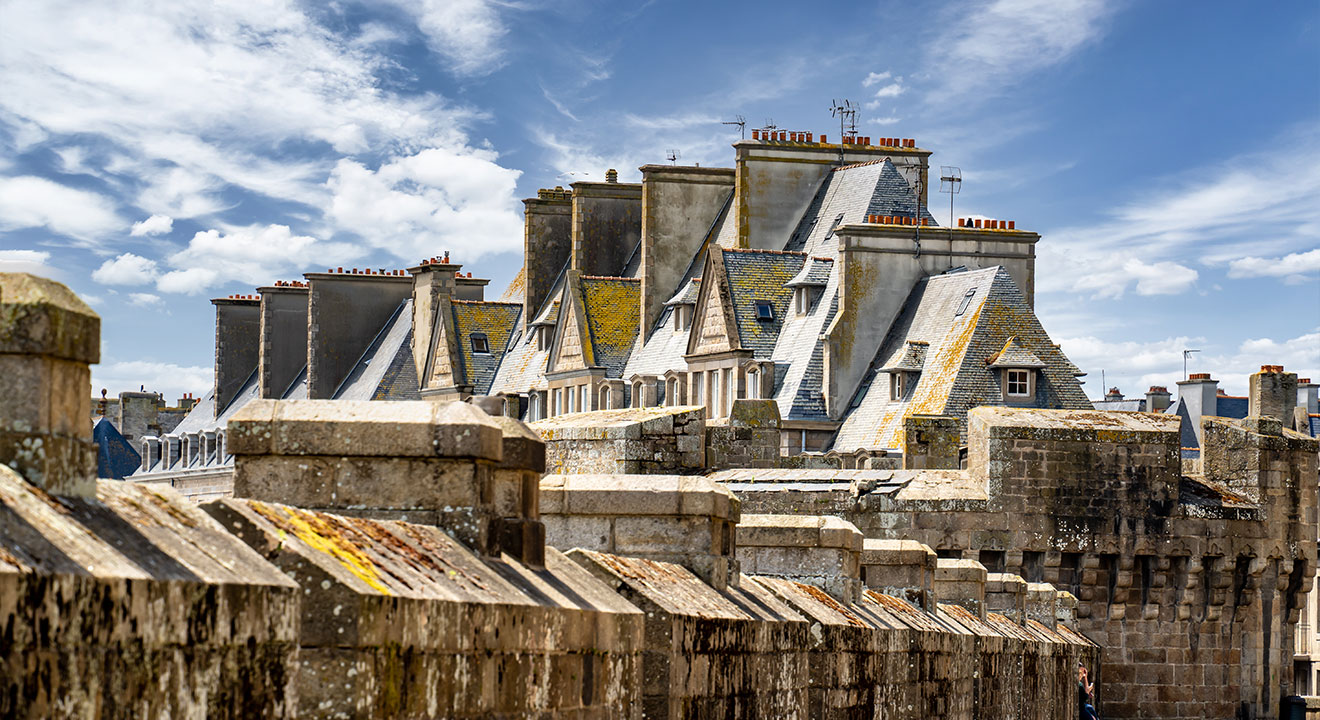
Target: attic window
(764,310)
(1019,383)
(480,344)
(833,225)
(967,300)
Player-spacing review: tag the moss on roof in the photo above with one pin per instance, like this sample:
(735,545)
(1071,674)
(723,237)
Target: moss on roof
(497,320)
(612,307)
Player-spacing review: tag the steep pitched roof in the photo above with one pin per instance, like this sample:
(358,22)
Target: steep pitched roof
(955,376)
(115,457)
(687,295)
(380,357)
(611,306)
(497,321)
(760,276)
(848,195)
(815,273)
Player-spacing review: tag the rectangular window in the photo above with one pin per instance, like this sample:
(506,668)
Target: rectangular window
(764,310)
(896,383)
(480,344)
(1019,382)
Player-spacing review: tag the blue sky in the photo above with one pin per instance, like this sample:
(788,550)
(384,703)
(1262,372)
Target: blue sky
(154,155)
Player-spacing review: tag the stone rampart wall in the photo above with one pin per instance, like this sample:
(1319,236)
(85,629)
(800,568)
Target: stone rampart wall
(631,441)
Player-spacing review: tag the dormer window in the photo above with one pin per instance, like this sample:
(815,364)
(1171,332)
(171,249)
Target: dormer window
(543,335)
(682,317)
(897,385)
(1018,383)
(802,300)
(480,344)
(764,310)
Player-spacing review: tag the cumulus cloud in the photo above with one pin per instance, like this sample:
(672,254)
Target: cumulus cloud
(154,225)
(890,90)
(252,255)
(1292,264)
(31,202)
(126,269)
(26,261)
(1161,278)
(891,120)
(170,379)
(433,200)
(466,32)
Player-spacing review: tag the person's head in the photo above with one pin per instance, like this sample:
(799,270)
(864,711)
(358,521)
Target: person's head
(1081,671)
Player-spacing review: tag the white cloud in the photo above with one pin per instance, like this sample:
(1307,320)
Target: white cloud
(154,225)
(1161,278)
(890,90)
(891,120)
(28,201)
(126,269)
(170,379)
(1291,265)
(466,32)
(876,77)
(144,299)
(998,44)
(252,255)
(434,200)
(26,261)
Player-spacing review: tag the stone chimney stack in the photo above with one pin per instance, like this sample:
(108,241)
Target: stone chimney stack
(1157,398)
(1199,394)
(1273,393)
(1114,395)
(434,283)
(607,226)
(237,345)
(345,311)
(283,337)
(48,337)
(547,246)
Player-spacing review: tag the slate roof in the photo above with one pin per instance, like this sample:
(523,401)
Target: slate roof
(115,457)
(498,321)
(1228,406)
(760,275)
(848,194)
(395,338)
(909,358)
(1133,405)
(1013,355)
(688,295)
(815,273)
(611,306)
(955,376)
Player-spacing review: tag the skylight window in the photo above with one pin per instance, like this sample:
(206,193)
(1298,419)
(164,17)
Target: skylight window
(480,344)
(833,225)
(967,300)
(764,310)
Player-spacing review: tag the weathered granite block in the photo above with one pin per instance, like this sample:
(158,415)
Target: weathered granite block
(820,551)
(961,582)
(904,569)
(738,652)
(629,440)
(401,620)
(135,604)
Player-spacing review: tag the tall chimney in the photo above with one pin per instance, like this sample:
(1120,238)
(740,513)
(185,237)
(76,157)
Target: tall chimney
(283,337)
(547,246)
(434,287)
(1273,393)
(1308,396)
(1200,396)
(607,226)
(1157,398)
(345,312)
(237,346)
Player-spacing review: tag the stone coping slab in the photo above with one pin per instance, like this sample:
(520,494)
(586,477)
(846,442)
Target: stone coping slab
(960,570)
(621,424)
(813,475)
(811,531)
(1089,425)
(896,552)
(364,428)
(648,495)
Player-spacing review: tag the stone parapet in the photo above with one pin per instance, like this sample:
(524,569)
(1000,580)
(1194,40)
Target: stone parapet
(401,620)
(48,337)
(737,651)
(816,550)
(688,521)
(931,442)
(136,604)
(904,569)
(1006,594)
(748,438)
(433,463)
(626,441)
(961,582)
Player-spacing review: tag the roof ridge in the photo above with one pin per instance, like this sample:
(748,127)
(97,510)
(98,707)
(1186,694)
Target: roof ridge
(767,252)
(610,277)
(860,164)
(485,302)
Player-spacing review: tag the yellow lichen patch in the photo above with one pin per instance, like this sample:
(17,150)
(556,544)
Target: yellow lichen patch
(319,534)
(932,391)
(612,306)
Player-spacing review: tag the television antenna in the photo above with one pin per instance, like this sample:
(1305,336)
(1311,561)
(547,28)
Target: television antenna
(846,112)
(672,156)
(1187,354)
(951,184)
(741,122)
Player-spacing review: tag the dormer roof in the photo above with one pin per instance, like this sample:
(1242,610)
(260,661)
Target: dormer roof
(909,358)
(1015,355)
(815,273)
